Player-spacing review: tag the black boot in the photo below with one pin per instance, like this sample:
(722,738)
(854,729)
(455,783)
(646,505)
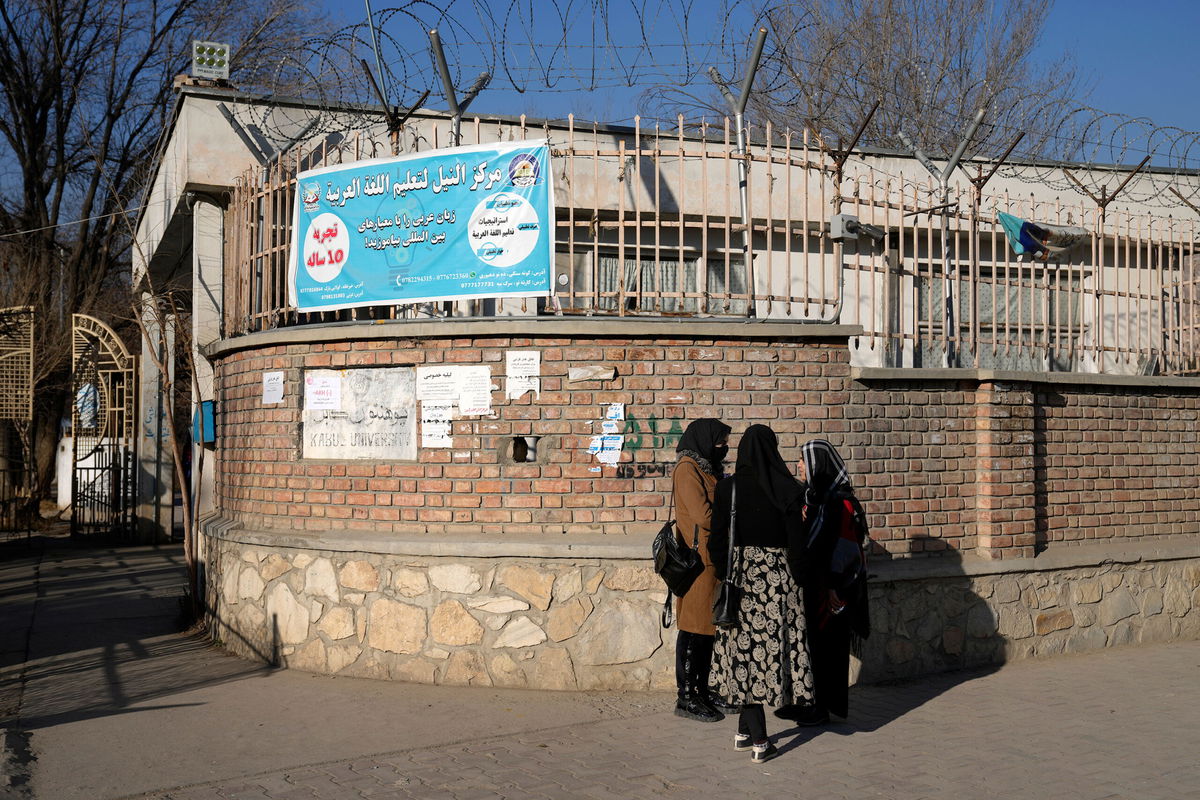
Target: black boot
(804,715)
(691,666)
(703,646)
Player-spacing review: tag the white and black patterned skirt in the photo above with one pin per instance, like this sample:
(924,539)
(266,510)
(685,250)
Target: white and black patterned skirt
(764,659)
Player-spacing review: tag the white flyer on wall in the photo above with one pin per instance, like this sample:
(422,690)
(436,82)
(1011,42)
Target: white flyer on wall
(474,391)
(435,425)
(323,391)
(437,384)
(522,368)
(607,448)
(272,390)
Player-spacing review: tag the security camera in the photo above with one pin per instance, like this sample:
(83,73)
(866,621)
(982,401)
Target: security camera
(847,226)
(873,231)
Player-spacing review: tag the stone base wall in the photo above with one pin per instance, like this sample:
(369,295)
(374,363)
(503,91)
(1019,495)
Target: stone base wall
(585,623)
(936,623)
(560,621)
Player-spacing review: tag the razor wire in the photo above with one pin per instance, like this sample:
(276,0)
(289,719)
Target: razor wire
(665,48)
(527,46)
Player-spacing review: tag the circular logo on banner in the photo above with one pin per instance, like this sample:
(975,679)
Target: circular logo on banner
(523,170)
(326,247)
(504,229)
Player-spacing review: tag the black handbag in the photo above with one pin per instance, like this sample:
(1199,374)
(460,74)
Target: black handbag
(676,563)
(729,596)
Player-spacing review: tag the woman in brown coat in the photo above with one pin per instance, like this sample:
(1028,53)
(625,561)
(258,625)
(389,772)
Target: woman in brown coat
(701,450)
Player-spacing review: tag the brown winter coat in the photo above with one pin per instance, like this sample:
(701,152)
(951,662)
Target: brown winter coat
(693,490)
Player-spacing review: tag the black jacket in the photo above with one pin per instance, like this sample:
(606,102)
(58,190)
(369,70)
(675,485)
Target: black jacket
(759,524)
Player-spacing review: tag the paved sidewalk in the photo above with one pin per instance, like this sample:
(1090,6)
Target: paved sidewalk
(101,699)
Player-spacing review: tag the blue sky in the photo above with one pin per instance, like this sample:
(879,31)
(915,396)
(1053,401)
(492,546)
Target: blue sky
(1138,56)
(1141,55)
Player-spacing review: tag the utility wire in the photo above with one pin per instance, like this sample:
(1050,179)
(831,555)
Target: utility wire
(72,222)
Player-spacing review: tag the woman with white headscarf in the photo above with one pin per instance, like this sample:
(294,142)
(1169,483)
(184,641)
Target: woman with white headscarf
(834,579)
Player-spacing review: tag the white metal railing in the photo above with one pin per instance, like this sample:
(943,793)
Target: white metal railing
(649,222)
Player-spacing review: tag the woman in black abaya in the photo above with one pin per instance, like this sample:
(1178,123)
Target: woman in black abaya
(763,660)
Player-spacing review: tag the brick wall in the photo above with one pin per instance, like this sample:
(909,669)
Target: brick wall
(1009,469)
(798,386)
(911,448)
(942,463)
(1116,463)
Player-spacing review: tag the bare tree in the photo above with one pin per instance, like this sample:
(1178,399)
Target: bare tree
(86,90)
(162,317)
(931,64)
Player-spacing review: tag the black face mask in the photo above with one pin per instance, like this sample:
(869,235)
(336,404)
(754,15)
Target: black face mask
(719,453)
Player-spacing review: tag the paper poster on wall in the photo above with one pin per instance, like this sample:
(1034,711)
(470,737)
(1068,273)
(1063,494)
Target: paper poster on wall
(615,411)
(474,391)
(522,368)
(435,424)
(447,224)
(607,448)
(323,390)
(272,389)
(375,416)
(437,384)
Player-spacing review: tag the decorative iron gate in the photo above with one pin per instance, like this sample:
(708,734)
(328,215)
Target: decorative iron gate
(16,420)
(103,415)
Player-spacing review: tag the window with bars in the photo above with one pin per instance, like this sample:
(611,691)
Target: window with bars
(1026,317)
(664,283)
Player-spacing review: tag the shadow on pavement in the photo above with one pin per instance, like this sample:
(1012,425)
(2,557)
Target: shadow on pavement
(873,707)
(94,630)
(928,635)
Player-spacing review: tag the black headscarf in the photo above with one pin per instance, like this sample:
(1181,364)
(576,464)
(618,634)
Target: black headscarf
(700,439)
(758,455)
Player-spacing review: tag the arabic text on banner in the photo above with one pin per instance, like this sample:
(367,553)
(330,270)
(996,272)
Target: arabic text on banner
(447,224)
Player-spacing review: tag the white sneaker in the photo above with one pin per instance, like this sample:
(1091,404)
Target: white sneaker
(763,752)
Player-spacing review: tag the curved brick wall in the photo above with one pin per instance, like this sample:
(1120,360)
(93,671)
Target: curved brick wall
(796,385)
(1005,465)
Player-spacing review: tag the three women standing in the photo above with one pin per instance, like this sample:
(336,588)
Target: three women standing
(700,451)
(795,549)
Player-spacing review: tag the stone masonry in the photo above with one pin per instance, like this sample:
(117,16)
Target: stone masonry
(513,622)
(572,623)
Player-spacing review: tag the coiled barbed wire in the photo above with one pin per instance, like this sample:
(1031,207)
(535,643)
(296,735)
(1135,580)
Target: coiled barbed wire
(665,47)
(580,50)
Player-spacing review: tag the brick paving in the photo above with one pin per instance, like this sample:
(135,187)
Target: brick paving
(1123,723)
(100,701)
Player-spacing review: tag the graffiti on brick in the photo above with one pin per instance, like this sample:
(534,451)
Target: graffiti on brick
(653,433)
(642,470)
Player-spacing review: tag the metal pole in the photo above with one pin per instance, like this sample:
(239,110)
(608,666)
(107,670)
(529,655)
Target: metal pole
(949,268)
(738,106)
(439,57)
(378,58)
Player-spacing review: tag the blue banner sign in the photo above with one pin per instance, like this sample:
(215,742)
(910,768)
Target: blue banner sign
(449,224)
